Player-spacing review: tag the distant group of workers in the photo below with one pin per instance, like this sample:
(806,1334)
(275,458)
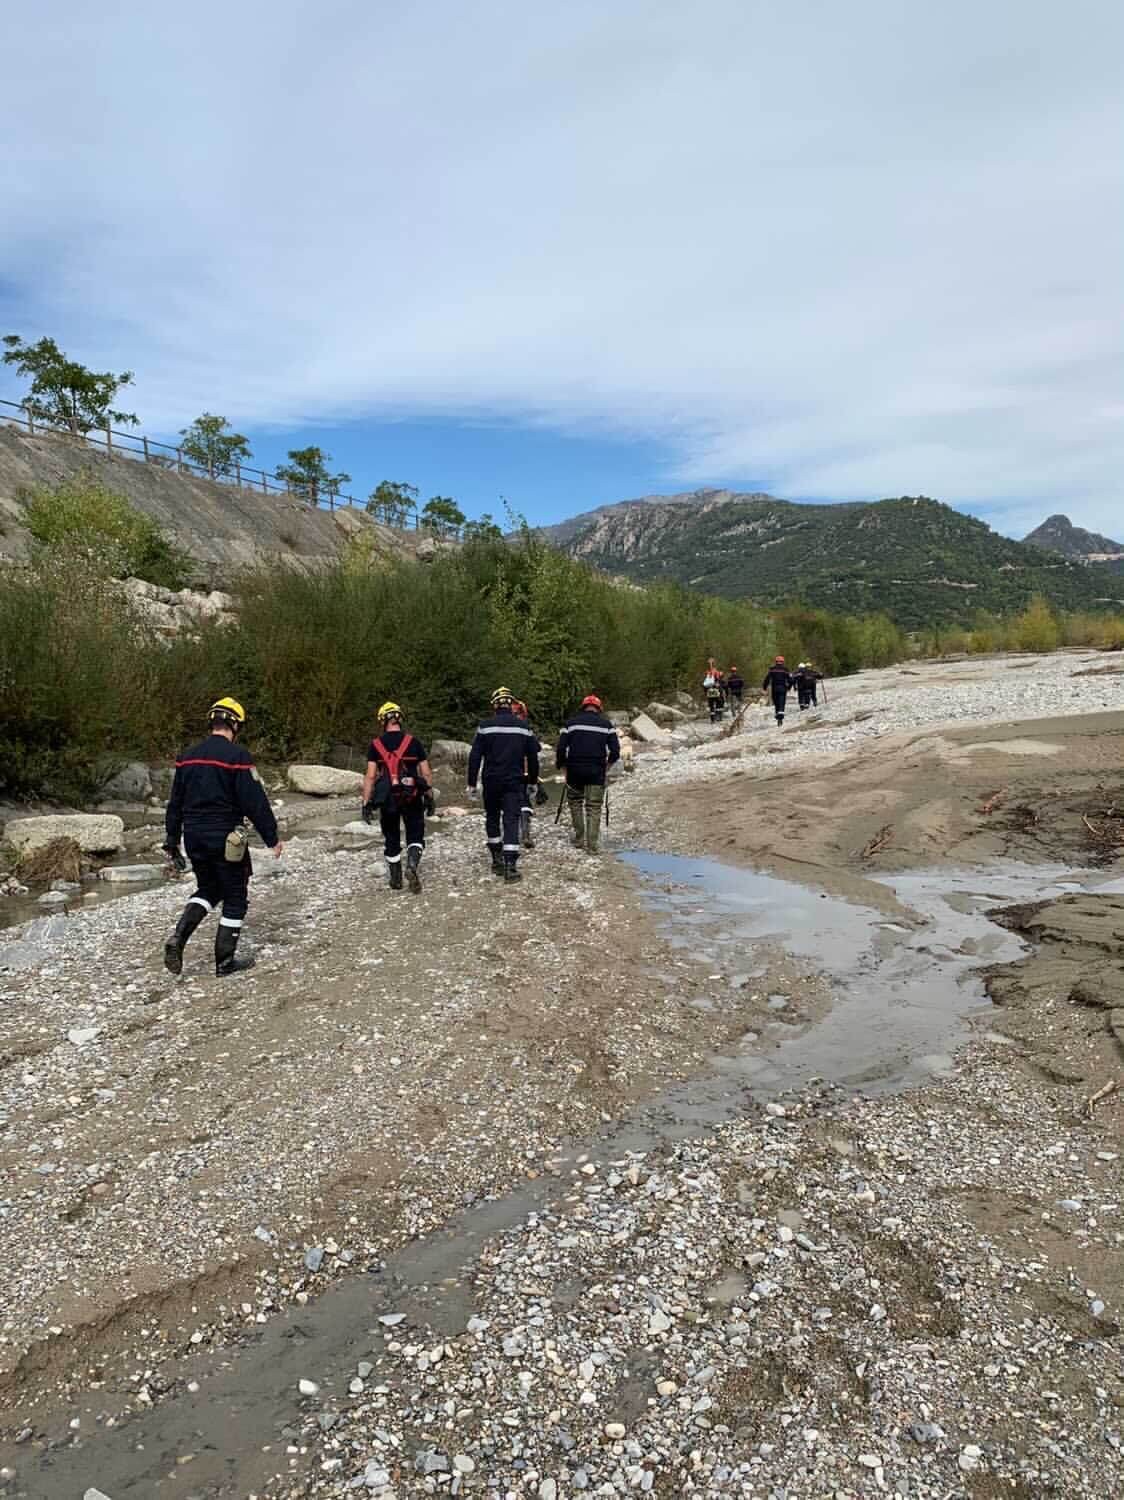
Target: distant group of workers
(216,790)
(724,689)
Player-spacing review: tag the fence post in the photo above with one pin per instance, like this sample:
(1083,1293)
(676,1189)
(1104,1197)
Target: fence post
(238,475)
(144,440)
(179,460)
(30,423)
(264,486)
(108,438)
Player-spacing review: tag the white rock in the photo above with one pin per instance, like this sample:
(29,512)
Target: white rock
(614,1429)
(463,1464)
(80,1035)
(449,752)
(92,1494)
(325,781)
(392,1320)
(663,713)
(645,729)
(94,833)
(52,898)
(360,830)
(548,1489)
(308,1387)
(129,874)
(658,1321)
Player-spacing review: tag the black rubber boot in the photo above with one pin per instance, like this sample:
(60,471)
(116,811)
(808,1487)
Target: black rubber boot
(226,941)
(510,873)
(413,859)
(526,837)
(394,874)
(192,915)
(497,859)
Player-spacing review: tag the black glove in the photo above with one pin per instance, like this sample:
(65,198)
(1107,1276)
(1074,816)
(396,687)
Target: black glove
(177,860)
(368,813)
(429,802)
(541,795)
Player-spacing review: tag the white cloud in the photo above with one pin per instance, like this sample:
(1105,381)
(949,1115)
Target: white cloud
(844,251)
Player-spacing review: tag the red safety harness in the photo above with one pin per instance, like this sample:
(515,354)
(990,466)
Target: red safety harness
(403,787)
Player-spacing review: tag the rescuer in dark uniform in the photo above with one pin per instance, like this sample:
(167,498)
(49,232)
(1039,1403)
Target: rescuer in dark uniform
(778,682)
(398,786)
(812,677)
(216,787)
(587,747)
(533,794)
(735,687)
(800,682)
(507,750)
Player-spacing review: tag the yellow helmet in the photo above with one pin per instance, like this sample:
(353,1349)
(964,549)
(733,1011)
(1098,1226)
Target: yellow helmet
(229,707)
(502,695)
(388,710)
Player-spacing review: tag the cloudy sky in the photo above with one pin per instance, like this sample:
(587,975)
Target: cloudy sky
(577,252)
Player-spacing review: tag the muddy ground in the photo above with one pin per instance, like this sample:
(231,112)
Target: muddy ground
(395,1061)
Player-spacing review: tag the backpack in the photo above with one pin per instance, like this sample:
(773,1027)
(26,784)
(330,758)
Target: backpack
(402,790)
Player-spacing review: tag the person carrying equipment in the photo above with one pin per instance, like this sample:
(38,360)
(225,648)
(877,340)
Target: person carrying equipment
(715,697)
(777,683)
(811,678)
(800,680)
(398,786)
(735,687)
(587,747)
(533,794)
(506,750)
(215,788)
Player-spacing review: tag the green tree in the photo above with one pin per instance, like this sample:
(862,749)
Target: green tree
(483,528)
(65,392)
(307,474)
(442,515)
(208,443)
(392,501)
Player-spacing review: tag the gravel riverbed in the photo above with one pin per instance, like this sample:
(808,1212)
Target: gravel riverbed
(373,1220)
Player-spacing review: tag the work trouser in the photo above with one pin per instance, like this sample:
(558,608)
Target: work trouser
(735,699)
(803,694)
(812,694)
(714,703)
(779,701)
(585,797)
(503,804)
(391,820)
(220,881)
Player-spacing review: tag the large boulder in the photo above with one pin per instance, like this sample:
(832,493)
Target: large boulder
(94,833)
(325,781)
(132,783)
(663,713)
(449,752)
(645,729)
(684,700)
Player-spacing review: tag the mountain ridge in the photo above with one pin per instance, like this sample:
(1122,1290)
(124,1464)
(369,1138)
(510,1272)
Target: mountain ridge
(916,559)
(1058,534)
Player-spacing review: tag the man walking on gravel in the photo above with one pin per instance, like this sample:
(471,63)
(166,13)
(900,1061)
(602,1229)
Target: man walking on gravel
(506,750)
(587,747)
(777,683)
(216,788)
(397,786)
(533,794)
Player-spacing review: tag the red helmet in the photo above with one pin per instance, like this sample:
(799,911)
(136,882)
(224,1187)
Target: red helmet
(591,700)
(733,669)
(779,661)
(519,709)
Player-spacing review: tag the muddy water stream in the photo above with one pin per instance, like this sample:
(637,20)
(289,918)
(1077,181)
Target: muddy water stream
(903,995)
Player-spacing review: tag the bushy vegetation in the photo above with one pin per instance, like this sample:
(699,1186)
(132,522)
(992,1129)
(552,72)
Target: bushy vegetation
(81,514)
(1036,628)
(311,655)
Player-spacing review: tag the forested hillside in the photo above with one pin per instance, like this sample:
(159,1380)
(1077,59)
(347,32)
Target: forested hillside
(917,560)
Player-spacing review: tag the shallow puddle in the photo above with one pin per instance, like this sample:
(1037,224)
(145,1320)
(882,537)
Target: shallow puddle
(902,995)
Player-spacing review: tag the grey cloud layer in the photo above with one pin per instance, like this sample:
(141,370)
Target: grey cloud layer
(844,250)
